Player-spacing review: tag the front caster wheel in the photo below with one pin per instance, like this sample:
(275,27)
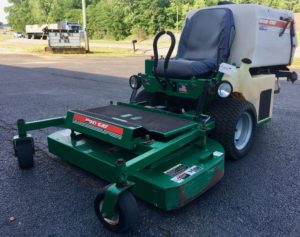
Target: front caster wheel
(125,216)
(24,150)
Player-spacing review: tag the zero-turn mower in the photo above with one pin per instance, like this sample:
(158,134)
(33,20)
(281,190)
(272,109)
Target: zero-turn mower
(167,145)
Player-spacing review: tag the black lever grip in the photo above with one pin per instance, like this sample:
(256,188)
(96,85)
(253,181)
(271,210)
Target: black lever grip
(169,54)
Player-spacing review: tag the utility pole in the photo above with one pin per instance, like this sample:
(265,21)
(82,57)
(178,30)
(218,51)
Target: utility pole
(86,39)
(177,13)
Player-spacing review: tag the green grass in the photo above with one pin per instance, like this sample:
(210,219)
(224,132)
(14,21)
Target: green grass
(31,49)
(40,50)
(110,41)
(296,63)
(164,41)
(105,51)
(2,37)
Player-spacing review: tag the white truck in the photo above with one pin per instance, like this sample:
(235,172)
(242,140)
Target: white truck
(40,31)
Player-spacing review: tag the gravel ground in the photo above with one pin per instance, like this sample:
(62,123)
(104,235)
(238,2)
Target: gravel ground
(258,196)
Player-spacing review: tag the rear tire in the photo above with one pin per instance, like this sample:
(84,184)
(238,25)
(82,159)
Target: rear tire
(235,126)
(126,214)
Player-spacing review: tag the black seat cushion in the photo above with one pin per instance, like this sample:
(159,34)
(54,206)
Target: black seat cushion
(182,68)
(204,44)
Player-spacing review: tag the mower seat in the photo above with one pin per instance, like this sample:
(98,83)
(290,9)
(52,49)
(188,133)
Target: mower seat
(204,44)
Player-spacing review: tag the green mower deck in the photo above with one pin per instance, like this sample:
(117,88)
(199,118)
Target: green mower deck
(163,158)
(169,183)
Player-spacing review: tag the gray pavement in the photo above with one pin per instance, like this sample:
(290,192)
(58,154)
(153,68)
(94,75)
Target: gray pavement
(258,196)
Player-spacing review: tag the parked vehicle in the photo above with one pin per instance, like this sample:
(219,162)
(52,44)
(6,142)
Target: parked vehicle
(18,35)
(41,31)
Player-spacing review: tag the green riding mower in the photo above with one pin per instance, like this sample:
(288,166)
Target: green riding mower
(168,144)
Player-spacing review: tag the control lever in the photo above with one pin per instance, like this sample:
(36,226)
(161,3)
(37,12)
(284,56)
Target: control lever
(205,118)
(277,91)
(201,102)
(288,21)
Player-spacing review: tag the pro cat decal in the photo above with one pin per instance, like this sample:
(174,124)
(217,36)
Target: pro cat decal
(98,126)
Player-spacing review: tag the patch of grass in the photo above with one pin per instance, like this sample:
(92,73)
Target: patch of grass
(110,41)
(296,63)
(164,41)
(31,49)
(105,51)
(5,36)
(2,37)
(95,50)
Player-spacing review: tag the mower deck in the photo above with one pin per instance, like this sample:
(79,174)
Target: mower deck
(168,183)
(164,158)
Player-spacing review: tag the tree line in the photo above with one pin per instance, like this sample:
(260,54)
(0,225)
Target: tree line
(117,19)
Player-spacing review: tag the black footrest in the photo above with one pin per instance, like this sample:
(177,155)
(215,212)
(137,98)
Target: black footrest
(132,117)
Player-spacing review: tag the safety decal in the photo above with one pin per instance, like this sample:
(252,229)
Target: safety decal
(177,169)
(227,69)
(184,173)
(180,178)
(99,126)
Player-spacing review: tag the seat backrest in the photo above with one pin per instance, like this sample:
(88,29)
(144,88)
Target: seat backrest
(207,34)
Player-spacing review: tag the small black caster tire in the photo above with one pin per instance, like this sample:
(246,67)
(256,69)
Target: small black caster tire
(126,214)
(24,153)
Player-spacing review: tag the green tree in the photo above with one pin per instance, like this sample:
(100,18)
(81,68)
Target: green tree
(297,7)
(46,7)
(107,19)
(41,10)
(19,14)
(118,18)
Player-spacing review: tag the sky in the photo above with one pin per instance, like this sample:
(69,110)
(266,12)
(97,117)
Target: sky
(3,3)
